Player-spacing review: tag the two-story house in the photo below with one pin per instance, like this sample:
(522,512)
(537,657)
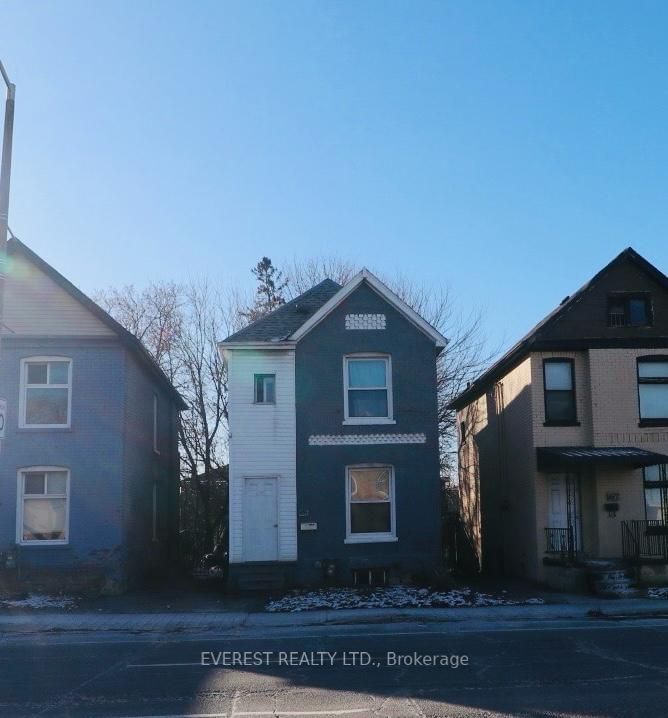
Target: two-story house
(89,464)
(334,456)
(564,440)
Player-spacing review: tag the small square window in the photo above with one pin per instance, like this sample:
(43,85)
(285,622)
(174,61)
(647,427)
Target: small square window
(631,310)
(265,389)
(38,373)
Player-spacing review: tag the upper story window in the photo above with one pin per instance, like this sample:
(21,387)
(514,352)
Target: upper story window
(43,505)
(629,310)
(46,393)
(559,387)
(371,514)
(367,389)
(265,389)
(653,390)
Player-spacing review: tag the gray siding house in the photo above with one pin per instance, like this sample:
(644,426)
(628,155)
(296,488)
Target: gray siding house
(89,465)
(334,457)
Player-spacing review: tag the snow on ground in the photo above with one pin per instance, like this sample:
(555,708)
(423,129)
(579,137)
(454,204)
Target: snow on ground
(658,592)
(38,600)
(393,597)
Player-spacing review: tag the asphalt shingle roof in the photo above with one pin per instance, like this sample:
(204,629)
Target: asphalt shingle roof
(285,320)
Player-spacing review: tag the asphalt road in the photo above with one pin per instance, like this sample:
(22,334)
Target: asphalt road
(586,668)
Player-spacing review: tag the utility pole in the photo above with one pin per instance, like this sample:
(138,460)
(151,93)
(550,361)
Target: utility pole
(5,173)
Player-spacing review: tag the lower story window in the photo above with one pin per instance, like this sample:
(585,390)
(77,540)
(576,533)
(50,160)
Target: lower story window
(371,510)
(43,505)
(656,493)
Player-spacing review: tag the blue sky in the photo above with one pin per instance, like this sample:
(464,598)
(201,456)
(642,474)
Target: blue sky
(507,149)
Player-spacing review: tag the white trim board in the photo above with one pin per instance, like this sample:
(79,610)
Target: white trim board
(365,439)
(385,292)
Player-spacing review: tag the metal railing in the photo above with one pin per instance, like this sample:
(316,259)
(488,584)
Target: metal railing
(560,541)
(616,319)
(645,540)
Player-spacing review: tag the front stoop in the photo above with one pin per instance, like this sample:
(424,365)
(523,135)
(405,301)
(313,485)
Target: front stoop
(261,576)
(610,579)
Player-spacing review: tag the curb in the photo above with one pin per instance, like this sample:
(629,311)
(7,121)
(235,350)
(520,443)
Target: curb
(50,623)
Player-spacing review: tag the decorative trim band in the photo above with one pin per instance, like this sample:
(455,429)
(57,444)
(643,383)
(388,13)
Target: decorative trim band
(365,439)
(365,321)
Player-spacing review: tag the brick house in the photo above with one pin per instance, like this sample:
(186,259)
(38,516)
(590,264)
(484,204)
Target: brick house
(334,456)
(564,440)
(89,467)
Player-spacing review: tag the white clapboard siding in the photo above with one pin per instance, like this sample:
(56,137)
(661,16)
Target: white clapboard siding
(35,305)
(262,442)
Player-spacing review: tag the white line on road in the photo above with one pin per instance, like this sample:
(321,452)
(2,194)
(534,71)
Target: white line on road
(276,713)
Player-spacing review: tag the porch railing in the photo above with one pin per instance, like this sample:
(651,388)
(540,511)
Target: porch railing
(644,540)
(560,541)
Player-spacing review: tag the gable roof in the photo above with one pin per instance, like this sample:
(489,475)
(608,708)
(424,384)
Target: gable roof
(129,340)
(365,276)
(279,324)
(532,341)
(290,322)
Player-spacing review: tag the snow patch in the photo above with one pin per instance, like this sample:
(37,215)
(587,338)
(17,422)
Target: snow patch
(37,600)
(657,592)
(393,597)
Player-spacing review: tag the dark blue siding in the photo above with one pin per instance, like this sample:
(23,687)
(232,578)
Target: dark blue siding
(91,450)
(109,452)
(321,477)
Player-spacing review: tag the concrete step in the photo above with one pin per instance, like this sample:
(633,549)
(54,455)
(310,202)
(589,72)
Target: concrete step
(262,577)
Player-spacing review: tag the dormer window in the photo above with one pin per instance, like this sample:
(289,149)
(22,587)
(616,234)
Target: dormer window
(629,310)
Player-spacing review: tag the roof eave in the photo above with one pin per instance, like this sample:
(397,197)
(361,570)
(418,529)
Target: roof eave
(385,292)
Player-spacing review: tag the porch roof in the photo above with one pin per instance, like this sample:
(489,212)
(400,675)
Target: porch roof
(563,457)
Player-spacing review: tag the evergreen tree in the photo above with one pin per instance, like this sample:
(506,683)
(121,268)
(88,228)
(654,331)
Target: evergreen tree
(270,290)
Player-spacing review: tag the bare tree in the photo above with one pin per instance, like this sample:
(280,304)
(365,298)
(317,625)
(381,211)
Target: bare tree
(202,381)
(302,275)
(180,325)
(152,314)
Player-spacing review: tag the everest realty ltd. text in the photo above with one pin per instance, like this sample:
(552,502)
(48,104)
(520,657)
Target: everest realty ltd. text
(231,659)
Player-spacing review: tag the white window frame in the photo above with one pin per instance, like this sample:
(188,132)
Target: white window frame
(373,537)
(20,496)
(155,424)
(353,420)
(24,390)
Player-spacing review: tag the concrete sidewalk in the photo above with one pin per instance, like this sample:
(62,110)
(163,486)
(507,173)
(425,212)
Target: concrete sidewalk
(202,622)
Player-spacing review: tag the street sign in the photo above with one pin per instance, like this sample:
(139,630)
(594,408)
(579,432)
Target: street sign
(3,415)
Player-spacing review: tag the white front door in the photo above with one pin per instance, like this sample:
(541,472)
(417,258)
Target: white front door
(260,529)
(558,505)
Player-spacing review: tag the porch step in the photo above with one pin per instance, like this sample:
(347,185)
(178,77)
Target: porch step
(262,577)
(609,580)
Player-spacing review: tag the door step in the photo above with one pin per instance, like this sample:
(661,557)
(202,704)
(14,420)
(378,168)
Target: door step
(609,580)
(262,576)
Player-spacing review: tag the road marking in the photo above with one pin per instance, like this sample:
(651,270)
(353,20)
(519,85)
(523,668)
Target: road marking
(275,713)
